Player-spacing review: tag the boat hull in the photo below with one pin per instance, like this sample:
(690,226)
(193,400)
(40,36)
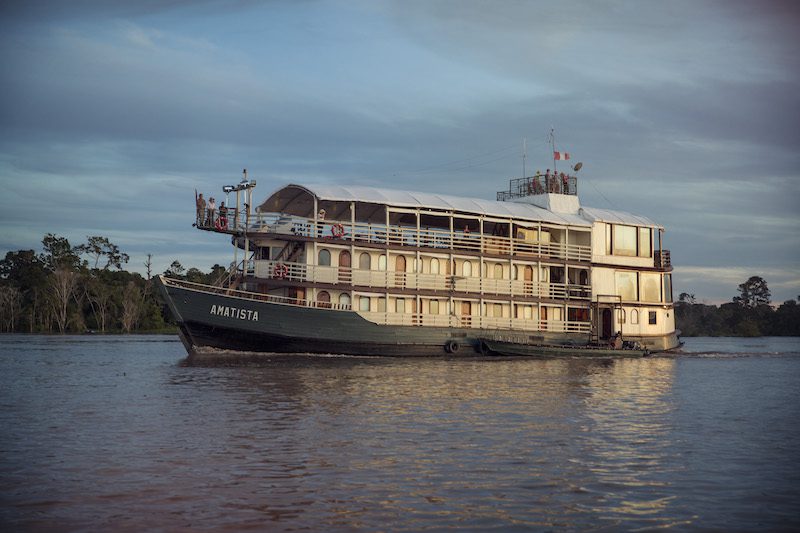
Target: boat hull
(215,325)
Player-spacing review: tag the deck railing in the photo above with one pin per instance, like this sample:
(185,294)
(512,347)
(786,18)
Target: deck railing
(409,236)
(477,322)
(396,319)
(379,279)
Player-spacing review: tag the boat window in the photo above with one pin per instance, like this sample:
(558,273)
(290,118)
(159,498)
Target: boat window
(324,258)
(497,310)
(498,271)
(381,304)
(634,316)
(434,307)
(363,303)
(608,239)
(645,242)
(400,305)
(382,263)
(651,287)
(466,269)
(434,266)
(668,288)
(344,299)
(365,261)
(626,285)
(651,317)
(624,240)
(324,299)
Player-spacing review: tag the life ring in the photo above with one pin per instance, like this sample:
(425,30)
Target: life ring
(281,271)
(451,346)
(337,230)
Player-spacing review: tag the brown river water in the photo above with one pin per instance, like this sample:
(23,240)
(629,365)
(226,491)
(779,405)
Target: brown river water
(112,433)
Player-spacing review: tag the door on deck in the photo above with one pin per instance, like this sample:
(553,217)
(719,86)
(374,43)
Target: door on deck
(466,314)
(607,327)
(400,271)
(345,273)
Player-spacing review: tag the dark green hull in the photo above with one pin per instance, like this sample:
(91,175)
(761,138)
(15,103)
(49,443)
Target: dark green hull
(212,323)
(493,347)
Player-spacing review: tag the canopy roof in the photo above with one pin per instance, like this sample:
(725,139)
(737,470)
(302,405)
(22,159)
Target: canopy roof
(299,200)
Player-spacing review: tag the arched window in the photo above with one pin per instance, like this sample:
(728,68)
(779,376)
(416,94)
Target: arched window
(498,271)
(434,266)
(382,263)
(363,303)
(324,258)
(323,299)
(466,269)
(344,299)
(634,316)
(365,261)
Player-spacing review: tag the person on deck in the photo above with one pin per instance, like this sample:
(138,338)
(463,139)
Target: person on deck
(222,223)
(212,206)
(201,210)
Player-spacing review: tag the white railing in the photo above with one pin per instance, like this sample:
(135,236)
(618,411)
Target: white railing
(396,319)
(378,279)
(476,322)
(406,236)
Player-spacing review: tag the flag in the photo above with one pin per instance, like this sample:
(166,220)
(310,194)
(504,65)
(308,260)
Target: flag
(559,156)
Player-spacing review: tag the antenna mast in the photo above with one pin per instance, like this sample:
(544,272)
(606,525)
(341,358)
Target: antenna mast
(524,155)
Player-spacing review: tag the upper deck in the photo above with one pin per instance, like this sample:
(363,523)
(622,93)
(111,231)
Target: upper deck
(539,184)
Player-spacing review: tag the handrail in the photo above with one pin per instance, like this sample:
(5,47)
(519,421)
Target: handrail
(301,272)
(254,296)
(396,319)
(335,231)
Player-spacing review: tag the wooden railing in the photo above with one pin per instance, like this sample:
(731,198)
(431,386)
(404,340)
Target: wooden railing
(379,279)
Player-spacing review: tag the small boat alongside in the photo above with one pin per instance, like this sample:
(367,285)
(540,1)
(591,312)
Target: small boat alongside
(516,347)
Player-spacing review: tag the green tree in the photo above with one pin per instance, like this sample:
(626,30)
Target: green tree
(97,247)
(59,254)
(753,293)
(175,270)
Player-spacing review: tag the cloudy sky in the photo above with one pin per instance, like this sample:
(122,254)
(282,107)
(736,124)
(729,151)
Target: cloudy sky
(688,112)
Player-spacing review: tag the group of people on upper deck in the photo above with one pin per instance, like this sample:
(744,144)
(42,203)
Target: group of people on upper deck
(549,182)
(207,215)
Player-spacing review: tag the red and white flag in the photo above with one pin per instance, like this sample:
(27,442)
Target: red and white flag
(560,156)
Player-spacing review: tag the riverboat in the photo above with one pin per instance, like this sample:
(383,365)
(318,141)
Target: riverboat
(333,269)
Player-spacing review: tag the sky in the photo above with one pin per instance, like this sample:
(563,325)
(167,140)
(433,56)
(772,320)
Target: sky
(687,112)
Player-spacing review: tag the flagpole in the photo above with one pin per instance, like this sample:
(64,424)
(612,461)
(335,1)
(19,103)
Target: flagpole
(553,147)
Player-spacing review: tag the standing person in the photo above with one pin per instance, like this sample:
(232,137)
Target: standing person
(201,209)
(223,216)
(212,206)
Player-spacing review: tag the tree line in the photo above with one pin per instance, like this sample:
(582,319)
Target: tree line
(749,314)
(75,289)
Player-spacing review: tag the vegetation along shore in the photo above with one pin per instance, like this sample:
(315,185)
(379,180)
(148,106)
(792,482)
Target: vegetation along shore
(84,288)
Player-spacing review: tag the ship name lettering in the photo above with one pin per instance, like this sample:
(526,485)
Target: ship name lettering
(234,312)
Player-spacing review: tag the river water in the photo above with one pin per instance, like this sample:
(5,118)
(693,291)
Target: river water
(112,433)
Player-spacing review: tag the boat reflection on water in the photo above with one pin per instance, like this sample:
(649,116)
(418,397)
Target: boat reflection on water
(364,442)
